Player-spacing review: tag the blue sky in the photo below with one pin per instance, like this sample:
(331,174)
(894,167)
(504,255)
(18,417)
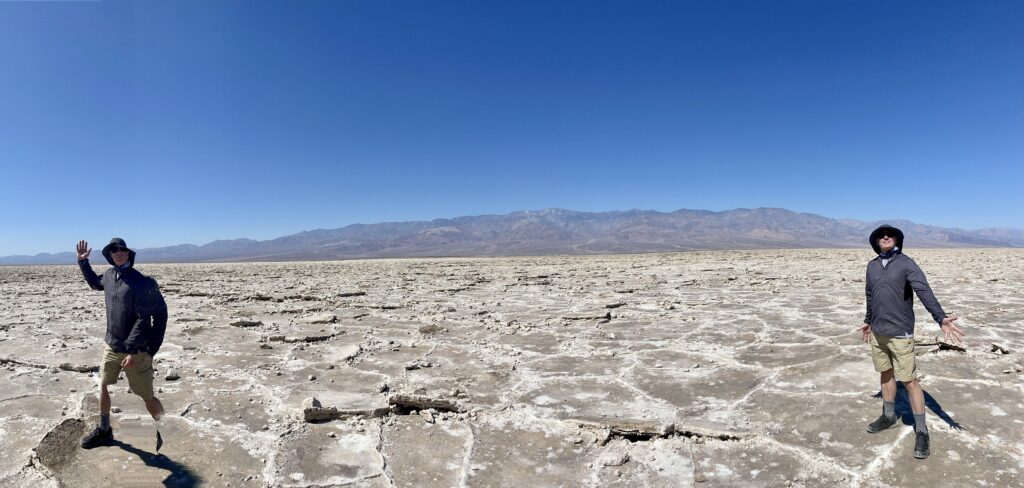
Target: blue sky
(186,122)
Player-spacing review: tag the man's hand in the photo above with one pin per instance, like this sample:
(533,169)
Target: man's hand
(127,361)
(83,250)
(950,330)
(865,332)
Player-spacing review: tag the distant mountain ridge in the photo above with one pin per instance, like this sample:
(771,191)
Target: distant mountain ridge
(560,231)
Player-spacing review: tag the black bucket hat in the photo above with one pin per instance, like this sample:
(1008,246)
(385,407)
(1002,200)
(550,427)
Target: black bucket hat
(877,234)
(117,242)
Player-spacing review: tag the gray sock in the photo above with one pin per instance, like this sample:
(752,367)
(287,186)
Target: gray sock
(919,425)
(889,409)
(105,421)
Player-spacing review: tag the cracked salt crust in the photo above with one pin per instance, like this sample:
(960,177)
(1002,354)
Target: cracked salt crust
(733,342)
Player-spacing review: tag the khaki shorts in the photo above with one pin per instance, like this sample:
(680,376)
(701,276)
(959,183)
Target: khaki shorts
(896,354)
(140,374)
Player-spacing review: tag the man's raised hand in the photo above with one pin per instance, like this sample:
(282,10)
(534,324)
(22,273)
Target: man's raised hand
(83,250)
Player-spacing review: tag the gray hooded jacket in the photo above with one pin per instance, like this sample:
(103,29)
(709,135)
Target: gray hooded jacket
(136,311)
(890,296)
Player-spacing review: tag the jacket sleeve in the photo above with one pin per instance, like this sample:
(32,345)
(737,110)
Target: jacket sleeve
(924,293)
(867,296)
(90,276)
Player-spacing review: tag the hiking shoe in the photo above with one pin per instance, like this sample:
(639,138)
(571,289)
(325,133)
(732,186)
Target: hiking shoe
(98,437)
(921,449)
(881,424)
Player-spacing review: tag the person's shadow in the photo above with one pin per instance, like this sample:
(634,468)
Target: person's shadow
(907,414)
(180,475)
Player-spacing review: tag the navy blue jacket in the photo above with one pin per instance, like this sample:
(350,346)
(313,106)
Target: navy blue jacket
(890,296)
(136,311)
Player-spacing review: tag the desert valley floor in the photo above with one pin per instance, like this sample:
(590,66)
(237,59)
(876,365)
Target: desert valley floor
(706,369)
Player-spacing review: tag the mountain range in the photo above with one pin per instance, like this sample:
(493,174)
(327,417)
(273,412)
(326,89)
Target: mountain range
(560,231)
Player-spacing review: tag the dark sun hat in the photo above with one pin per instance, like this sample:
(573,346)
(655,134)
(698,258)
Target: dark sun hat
(877,234)
(117,242)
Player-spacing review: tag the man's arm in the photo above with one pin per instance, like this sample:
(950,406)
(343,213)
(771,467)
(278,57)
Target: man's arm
(867,297)
(83,250)
(152,314)
(159,312)
(865,329)
(919,283)
(924,293)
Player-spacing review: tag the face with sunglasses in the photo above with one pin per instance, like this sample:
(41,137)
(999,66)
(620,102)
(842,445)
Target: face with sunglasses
(887,241)
(119,255)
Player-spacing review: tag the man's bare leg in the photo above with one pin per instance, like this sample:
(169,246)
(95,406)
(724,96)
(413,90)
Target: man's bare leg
(888,418)
(102,434)
(888,381)
(104,407)
(916,396)
(104,399)
(156,409)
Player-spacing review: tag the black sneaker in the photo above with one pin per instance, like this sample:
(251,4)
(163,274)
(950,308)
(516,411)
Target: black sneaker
(881,424)
(921,449)
(98,437)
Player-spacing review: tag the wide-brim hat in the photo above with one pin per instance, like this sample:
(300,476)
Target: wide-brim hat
(877,234)
(117,242)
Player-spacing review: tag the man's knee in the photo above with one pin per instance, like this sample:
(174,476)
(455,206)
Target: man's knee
(911,385)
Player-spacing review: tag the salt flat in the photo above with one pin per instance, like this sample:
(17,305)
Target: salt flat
(732,368)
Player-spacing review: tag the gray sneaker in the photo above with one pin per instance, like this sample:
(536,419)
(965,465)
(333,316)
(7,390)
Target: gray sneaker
(921,449)
(881,424)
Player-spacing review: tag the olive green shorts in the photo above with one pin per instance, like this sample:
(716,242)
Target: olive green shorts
(140,374)
(896,354)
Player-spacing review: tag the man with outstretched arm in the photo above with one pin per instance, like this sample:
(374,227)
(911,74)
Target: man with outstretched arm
(892,280)
(136,321)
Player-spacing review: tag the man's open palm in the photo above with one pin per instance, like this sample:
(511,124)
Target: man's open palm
(950,330)
(83,250)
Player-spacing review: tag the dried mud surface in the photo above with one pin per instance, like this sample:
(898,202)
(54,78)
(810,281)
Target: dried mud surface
(738,368)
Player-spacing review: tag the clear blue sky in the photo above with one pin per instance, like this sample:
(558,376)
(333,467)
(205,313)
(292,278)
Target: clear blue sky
(186,122)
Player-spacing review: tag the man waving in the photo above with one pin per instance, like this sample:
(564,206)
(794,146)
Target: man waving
(136,321)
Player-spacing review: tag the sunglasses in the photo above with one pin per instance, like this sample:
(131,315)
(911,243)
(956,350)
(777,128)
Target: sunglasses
(118,249)
(883,235)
